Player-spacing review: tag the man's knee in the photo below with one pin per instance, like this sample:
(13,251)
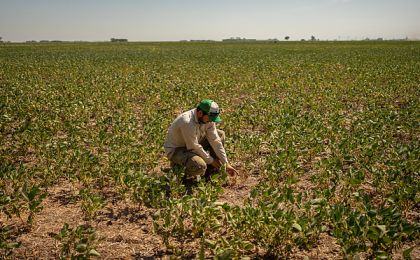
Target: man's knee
(195,166)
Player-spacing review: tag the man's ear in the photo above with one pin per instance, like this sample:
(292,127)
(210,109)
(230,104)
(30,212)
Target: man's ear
(199,113)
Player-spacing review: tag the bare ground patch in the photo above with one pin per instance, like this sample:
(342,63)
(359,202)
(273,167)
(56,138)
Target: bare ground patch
(125,229)
(236,194)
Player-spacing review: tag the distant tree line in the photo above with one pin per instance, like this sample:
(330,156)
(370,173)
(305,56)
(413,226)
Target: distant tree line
(118,40)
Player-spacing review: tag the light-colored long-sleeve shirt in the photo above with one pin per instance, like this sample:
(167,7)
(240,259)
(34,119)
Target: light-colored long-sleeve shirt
(186,131)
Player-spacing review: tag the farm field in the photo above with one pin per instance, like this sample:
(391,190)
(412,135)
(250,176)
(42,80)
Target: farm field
(325,136)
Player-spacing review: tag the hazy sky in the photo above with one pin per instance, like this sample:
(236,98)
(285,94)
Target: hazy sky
(163,20)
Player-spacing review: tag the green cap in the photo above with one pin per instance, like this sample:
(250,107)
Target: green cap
(210,108)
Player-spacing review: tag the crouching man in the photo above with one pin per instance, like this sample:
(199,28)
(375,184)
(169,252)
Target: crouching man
(194,142)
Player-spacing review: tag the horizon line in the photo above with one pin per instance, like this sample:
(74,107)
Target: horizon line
(227,40)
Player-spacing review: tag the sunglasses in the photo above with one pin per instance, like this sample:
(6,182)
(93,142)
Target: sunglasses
(211,113)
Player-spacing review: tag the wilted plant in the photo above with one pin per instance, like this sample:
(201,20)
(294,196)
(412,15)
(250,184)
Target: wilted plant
(91,203)
(78,243)
(34,197)
(7,241)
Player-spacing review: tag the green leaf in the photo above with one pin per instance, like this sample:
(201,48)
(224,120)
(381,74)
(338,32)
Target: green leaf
(382,229)
(379,254)
(407,253)
(225,255)
(33,192)
(94,252)
(356,257)
(387,240)
(373,233)
(210,243)
(317,201)
(296,227)
(63,232)
(13,245)
(247,245)
(81,248)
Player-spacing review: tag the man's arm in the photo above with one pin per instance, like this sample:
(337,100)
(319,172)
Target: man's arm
(216,143)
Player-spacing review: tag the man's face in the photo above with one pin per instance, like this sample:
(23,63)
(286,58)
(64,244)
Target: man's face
(202,118)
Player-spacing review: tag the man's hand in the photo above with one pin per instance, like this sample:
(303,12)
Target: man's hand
(232,172)
(216,163)
(229,169)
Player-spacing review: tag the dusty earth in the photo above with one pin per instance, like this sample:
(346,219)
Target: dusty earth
(125,229)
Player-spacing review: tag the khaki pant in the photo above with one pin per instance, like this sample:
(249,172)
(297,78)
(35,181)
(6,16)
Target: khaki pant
(194,164)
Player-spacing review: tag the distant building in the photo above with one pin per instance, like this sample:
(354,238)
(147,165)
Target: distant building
(202,41)
(238,39)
